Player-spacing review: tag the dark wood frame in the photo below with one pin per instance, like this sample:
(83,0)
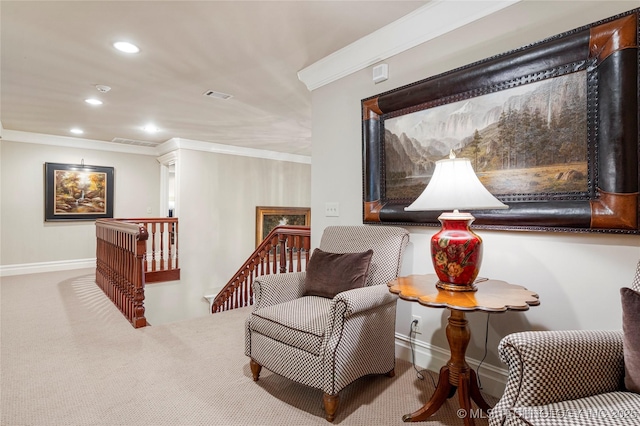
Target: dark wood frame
(608,51)
(50,192)
(262,211)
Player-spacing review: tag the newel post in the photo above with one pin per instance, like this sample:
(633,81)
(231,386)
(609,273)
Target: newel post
(139,319)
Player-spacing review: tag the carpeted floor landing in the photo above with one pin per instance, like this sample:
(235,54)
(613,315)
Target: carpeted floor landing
(68,357)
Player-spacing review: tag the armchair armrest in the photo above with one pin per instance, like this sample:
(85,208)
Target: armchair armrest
(365,298)
(553,366)
(278,288)
(367,316)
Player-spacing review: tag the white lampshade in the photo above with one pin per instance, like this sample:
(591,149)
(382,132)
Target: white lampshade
(455,186)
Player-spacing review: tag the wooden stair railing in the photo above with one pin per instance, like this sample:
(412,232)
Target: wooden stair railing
(120,249)
(161,258)
(285,249)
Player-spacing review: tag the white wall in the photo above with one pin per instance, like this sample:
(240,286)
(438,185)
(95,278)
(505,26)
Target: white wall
(218,195)
(577,276)
(26,239)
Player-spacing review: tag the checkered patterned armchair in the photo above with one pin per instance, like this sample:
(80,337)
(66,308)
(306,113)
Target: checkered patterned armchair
(561,378)
(328,343)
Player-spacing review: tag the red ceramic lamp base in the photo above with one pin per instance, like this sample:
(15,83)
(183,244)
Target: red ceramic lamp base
(456,252)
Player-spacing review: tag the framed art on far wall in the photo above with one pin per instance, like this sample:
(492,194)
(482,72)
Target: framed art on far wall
(77,192)
(268,218)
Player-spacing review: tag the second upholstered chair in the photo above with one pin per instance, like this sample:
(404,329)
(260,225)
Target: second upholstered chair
(574,377)
(335,322)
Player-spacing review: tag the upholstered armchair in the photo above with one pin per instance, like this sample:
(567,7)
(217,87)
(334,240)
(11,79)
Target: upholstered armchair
(574,377)
(328,342)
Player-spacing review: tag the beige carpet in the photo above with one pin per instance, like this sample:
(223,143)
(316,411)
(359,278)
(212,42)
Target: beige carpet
(68,357)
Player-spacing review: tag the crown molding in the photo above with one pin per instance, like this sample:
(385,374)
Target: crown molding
(180,143)
(70,142)
(434,19)
(160,150)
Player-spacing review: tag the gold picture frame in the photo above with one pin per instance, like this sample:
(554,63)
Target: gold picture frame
(268,218)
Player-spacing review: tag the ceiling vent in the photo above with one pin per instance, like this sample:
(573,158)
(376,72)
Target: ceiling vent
(134,142)
(217,95)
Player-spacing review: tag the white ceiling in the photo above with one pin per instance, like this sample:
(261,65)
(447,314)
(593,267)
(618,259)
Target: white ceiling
(53,53)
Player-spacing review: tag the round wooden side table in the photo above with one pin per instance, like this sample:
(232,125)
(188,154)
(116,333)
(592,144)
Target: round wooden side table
(456,375)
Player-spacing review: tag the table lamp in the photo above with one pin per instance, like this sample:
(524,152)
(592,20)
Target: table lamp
(456,251)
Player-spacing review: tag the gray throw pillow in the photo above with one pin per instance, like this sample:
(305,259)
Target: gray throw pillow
(331,273)
(631,342)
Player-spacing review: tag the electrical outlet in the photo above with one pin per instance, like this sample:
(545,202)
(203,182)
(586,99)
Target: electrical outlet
(416,327)
(331,209)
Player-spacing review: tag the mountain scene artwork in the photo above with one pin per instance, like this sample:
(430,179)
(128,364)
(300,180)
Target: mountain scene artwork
(530,139)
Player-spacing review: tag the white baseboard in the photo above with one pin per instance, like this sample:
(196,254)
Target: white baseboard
(431,357)
(34,268)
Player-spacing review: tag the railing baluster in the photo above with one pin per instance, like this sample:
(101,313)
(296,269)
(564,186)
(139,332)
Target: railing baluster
(175,235)
(162,265)
(146,256)
(153,246)
(282,246)
(169,245)
(291,250)
(299,256)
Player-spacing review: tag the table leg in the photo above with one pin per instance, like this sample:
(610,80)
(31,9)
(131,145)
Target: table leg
(475,394)
(455,376)
(440,395)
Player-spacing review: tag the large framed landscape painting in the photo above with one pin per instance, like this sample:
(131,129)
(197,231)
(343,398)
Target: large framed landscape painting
(78,192)
(551,129)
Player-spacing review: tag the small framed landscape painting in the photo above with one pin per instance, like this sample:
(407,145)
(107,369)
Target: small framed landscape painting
(268,218)
(77,192)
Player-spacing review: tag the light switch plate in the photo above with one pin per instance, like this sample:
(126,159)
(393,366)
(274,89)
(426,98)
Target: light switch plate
(331,209)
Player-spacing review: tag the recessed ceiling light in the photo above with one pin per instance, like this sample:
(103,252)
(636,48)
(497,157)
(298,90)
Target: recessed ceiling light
(125,46)
(76,131)
(150,128)
(93,101)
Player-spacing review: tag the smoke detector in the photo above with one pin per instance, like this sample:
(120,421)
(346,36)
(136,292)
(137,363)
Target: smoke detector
(217,95)
(102,88)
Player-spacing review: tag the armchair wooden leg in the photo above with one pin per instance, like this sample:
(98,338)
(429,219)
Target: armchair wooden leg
(330,406)
(391,373)
(255,369)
